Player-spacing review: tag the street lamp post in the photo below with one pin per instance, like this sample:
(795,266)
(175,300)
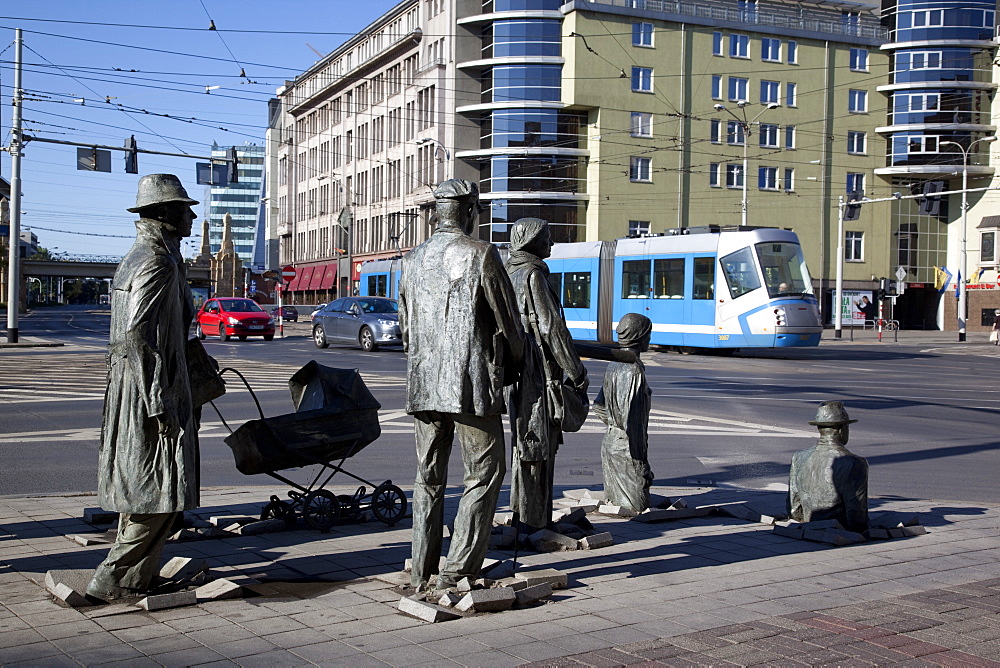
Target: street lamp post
(745,124)
(962,276)
(439,145)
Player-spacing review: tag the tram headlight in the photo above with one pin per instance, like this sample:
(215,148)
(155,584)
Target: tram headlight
(779,316)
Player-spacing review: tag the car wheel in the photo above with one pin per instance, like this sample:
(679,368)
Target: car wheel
(269,337)
(243,337)
(222,333)
(199,332)
(319,337)
(367,340)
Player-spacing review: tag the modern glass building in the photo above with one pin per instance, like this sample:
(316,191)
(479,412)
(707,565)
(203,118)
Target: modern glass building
(531,150)
(939,94)
(241,201)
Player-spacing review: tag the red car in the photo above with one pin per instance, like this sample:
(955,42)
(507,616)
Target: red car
(227,317)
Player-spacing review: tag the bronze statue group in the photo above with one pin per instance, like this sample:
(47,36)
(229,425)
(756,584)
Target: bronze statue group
(482,338)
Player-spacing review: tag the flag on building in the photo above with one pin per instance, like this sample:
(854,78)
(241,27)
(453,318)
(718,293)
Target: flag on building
(958,284)
(942,277)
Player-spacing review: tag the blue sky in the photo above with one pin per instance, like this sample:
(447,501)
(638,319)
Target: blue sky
(69,62)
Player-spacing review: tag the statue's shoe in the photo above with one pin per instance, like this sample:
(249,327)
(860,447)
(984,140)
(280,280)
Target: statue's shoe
(109,592)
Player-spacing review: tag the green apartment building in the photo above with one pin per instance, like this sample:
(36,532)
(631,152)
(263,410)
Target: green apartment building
(729,113)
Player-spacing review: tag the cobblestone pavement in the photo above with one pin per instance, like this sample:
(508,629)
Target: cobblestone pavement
(710,591)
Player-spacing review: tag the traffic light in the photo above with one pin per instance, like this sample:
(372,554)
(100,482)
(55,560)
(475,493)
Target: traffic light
(131,156)
(930,204)
(886,288)
(233,164)
(852,211)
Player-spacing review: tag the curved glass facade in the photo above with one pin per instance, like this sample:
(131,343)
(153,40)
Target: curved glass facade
(925,53)
(528,125)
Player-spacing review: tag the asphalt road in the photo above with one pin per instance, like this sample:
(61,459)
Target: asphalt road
(927,409)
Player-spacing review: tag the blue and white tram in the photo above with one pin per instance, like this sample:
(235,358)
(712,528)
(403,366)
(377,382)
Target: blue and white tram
(702,288)
(380,278)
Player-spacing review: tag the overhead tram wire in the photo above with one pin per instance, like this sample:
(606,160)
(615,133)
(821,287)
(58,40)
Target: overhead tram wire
(211,26)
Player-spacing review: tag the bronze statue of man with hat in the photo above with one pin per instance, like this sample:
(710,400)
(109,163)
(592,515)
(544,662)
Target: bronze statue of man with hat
(148,460)
(465,342)
(828,481)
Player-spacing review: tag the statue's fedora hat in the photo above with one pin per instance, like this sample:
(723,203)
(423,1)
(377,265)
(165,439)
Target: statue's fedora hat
(831,414)
(160,189)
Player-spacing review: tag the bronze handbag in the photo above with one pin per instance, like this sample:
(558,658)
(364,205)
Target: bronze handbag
(203,373)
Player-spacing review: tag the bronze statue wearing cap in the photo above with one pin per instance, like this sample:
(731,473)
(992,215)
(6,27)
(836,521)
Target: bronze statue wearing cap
(464,341)
(148,460)
(623,404)
(827,481)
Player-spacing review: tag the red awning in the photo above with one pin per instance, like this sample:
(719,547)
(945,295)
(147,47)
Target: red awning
(317,277)
(293,284)
(329,277)
(305,276)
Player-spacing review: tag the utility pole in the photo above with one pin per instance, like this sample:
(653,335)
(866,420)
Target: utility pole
(838,308)
(14,250)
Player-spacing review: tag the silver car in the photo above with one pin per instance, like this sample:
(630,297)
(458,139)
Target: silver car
(370,322)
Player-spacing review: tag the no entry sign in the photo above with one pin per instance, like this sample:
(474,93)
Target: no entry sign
(287,273)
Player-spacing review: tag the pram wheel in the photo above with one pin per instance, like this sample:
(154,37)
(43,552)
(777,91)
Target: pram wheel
(321,509)
(388,503)
(279,510)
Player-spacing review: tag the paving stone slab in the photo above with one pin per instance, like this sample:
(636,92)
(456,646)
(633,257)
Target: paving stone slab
(557,579)
(597,541)
(99,516)
(218,590)
(669,514)
(426,611)
(164,601)
(533,594)
(488,600)
(183,568)
(262,527)
(550,541)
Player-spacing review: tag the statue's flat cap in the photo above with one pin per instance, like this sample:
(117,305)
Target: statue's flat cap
(456,189)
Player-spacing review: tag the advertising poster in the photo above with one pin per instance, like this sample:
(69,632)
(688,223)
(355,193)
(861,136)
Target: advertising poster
(850,307)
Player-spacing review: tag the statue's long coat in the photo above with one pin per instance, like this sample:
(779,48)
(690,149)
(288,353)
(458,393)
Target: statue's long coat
(141,471)
(459,324)
(623,404)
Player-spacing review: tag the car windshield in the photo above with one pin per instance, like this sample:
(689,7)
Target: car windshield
(378,305)
(784,268)
(240,306)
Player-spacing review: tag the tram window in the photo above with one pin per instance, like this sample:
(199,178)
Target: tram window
(635,279)
(668,279)
(576,290)
(704,278)
(741,272)
(376,285)
(555,282)
(784,268)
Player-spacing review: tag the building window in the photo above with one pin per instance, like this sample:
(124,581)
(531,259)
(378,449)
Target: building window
(855,182)
(767,178)
(859,60)
(856,142)
(713,174)
(642,79)
(988,248)
(716,87)
(854,248)
(770,49)
(791,95)
(734,175)
(642,34)
(768,135)
(717,44)
(769,91)
(793,52)
(789,179)
(639,169)
(918,60)
(789,137)
(857,101)
(738,89)
(735,134)
(638,228)
(739,46)
(922,144)
(715,131)
(642,124)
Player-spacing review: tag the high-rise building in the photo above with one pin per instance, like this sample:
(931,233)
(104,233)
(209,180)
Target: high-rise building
(242,201)
(939,89)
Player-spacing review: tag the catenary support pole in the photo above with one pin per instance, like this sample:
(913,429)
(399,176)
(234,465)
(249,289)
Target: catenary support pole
(13,264)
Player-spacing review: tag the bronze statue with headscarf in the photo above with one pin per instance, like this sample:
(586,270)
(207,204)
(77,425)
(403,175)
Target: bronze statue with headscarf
(536,401)
(623,404)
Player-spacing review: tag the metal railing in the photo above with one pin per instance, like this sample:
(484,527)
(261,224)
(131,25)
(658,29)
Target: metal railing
(764,16)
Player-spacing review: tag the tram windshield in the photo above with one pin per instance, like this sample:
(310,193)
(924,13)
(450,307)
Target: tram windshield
(784,268)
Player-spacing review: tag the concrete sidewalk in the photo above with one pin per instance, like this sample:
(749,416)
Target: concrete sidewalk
(707,591)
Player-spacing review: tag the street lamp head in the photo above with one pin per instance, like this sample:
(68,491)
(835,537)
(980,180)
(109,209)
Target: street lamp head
(990,138)
(742,103)
(719,107)
(773,105)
